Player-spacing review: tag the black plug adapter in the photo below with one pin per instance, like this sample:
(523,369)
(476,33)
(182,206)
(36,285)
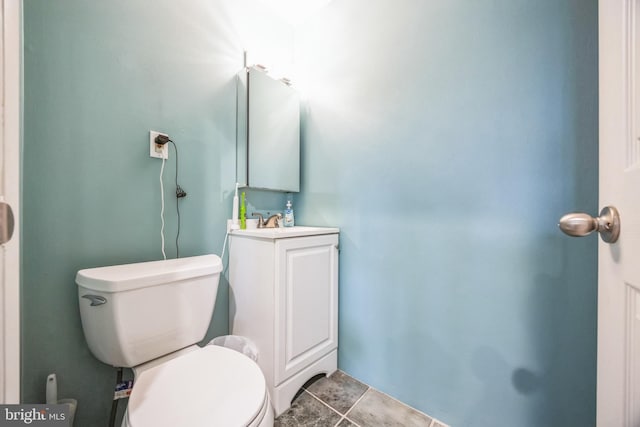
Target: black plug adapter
(162,139)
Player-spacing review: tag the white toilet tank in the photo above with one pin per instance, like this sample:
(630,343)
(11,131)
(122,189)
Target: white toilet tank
(134,313)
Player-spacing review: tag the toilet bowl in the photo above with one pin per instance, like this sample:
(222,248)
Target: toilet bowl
(149,316)
(207,387)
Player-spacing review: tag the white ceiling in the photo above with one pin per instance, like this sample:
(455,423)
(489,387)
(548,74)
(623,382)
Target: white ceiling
(295,11)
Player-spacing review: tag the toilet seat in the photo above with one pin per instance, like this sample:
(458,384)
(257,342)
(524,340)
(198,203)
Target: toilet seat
(211,386)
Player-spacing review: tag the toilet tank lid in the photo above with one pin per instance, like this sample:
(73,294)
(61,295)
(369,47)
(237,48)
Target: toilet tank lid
(118,278)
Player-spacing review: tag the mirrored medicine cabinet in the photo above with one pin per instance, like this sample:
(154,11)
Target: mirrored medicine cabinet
(268,132)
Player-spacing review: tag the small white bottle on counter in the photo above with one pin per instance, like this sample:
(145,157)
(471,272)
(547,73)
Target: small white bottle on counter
(288,215)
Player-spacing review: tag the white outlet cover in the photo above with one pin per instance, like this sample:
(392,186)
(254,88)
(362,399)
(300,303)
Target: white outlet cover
(158,153)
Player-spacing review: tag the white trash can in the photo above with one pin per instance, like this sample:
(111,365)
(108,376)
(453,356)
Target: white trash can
(238,343)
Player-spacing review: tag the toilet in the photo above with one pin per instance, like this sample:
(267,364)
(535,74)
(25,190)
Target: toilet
(149,316)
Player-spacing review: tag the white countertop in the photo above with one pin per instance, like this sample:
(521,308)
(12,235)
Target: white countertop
(285,232)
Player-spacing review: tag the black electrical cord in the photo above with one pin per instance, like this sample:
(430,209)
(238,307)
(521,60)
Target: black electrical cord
(180,193)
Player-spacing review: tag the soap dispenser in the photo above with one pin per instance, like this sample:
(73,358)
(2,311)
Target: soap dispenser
(288,215)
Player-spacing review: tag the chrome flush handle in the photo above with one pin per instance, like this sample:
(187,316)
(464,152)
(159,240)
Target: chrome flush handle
(95,299)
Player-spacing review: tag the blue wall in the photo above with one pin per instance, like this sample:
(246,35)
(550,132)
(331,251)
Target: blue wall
(97,77)
(445,139)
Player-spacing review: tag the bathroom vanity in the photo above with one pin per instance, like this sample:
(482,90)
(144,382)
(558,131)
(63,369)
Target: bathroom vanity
(284,297)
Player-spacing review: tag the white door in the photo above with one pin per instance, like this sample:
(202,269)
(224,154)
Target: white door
(618,401)
(9,195)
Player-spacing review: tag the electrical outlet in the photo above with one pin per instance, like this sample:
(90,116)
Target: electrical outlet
(155,150)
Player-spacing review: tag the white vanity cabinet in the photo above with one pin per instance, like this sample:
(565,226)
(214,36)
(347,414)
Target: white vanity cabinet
(283,296)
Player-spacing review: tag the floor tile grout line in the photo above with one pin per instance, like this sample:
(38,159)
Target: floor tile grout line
(325,404)
(335,410)
(342,416)
(432,423)
(356,402)
(350,421)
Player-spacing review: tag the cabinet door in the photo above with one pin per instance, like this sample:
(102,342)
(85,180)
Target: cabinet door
(306,302)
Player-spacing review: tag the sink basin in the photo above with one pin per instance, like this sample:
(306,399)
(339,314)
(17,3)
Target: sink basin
(285,232)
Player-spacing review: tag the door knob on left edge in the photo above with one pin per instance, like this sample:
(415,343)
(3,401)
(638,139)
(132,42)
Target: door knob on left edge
(581,224)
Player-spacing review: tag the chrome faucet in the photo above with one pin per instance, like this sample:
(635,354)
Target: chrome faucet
(272,222)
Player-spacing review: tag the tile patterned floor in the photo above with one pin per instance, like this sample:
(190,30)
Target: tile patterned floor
(343,401)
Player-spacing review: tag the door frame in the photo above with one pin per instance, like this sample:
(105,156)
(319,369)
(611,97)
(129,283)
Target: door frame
(617,393)
(10,191)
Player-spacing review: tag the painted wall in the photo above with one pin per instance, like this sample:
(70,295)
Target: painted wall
(445,139)
(97,77)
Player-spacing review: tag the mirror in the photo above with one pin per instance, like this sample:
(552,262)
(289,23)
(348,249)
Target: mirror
(268,139)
